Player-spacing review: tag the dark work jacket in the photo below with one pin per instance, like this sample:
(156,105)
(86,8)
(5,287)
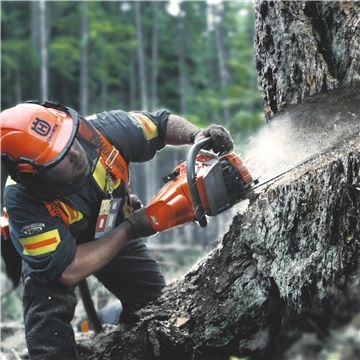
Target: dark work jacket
(46,243)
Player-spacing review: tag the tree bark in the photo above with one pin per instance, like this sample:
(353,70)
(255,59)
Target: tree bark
(223,72)
(305,47)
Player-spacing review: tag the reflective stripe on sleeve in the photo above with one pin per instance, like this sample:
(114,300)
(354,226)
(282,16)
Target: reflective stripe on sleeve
(148,127)
(41,243)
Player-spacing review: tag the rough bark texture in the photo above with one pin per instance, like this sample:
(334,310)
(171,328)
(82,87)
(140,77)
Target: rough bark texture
(304,47)
(289,264)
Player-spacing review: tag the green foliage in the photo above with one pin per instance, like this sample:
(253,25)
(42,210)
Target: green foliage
(18,56)
(112,57)
(65,56)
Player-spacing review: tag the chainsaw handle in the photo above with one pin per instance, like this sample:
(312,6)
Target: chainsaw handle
(191,179)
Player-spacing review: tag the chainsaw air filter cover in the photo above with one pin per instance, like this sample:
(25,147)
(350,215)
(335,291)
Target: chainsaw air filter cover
(224,184)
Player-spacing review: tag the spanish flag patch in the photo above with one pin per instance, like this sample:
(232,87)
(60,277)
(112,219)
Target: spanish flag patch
(148,127)
(41,243)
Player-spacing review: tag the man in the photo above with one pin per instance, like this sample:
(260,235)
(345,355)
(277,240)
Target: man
(71,215)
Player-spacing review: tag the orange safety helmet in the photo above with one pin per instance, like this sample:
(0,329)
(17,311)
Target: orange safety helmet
(37,136)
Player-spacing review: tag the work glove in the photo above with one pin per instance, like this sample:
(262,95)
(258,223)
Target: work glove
(140,226)
(135,202)
(221,138)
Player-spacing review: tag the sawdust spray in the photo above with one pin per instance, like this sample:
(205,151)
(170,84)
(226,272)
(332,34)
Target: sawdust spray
(280,144)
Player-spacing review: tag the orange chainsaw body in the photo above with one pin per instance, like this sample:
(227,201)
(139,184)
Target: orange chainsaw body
(173,205)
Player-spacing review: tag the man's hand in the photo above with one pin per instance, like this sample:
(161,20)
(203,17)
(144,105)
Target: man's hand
(221,138)
(135,202)
(140,226)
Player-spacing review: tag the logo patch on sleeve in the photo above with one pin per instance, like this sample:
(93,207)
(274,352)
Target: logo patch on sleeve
(41,243)
(32,229)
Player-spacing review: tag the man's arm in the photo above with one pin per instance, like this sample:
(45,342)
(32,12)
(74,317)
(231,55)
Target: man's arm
(92,256)
(180,131)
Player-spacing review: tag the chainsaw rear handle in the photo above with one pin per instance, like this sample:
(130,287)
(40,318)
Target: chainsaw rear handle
(191,179)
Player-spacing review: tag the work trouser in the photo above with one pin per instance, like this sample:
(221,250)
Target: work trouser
(133,276)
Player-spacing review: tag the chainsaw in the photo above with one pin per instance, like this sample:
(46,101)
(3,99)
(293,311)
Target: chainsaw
(204,185)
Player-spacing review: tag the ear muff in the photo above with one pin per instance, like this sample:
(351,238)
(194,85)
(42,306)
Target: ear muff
(19,172)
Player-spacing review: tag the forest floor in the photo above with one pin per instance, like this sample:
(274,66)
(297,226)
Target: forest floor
(340,344)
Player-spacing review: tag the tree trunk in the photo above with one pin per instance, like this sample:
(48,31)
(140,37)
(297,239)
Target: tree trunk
(209,69)
(223,72)
(154,55)
(141,57)
(150,167)
(287,271)
(181,61)
(35,39)
(44,72)
(303,48)
(132,80)
(84,68)
(17,86)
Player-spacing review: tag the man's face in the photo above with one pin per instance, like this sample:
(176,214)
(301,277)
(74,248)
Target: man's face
(72,167)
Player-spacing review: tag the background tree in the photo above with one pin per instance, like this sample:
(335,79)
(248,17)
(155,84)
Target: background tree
(84,64)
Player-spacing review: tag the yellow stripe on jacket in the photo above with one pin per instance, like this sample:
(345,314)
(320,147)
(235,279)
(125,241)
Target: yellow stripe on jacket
(148,127)
(41,243)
